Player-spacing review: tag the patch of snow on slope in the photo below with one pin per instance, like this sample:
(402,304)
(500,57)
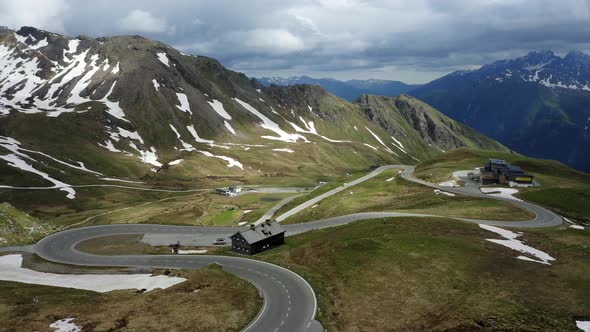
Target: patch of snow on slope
(41,43)
(175,162)
(284,150)
(184,105)
(398,144)
(229,127)
(21,39)
(156,84)
(310,129)
(390,179)
(501,192)
(511,242)
(16,162)
(65,325)
(19,80)
(271,125)
(583,325)
(120,180)
(11,270)
(369,145)
(439,192)
(129,134)
(114,108)
(191,129)
(109,146)
(576,227)
(185,145)
(192,251)
(13,145)
(230,161)
(72,48)
(450,183)
(83,82)
(381,142)
(147,157)
(116,69)
(218,108)
(163,58)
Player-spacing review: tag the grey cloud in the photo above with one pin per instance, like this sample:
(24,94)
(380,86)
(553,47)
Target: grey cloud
(413,41)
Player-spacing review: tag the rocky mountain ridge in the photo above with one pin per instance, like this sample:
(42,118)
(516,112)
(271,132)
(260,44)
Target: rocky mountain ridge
(349,90)
(74,109)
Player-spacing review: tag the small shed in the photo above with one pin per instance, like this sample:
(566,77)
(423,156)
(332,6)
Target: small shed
(258,238)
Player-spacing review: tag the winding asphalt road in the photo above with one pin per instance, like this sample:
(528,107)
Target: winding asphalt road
(289,301)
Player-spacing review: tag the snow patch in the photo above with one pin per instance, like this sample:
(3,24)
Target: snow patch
(390,179)
(381,142)
(65,325)
(583,325)
(229,127)
(114,108)
(511,242)
(11,270)
(109,146)
(439,192)
(192,251)
(450,183)
(116,69)
(218,108)
(577,227)
(191,129)
(271,125)
(184,105)
(369,145)
(163,58)
(398,145)
(15,161)
(185,145)
(120,180)
(147,157)
(156,84)
(501,192)
(175,162)
(284,150)
(230,161)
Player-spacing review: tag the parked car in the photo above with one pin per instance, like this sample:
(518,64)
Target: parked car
(219,242)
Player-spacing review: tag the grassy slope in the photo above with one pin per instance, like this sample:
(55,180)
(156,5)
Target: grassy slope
(223,303)
(562,189)
(439,275)
(378,194)
(126,206)
(18,228)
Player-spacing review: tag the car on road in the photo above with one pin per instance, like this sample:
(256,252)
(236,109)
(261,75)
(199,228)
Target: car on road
(220,241)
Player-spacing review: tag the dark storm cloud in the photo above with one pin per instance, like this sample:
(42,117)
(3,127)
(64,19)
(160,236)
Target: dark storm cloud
(409,40)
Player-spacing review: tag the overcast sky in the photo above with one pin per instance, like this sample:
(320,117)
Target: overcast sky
(413,41)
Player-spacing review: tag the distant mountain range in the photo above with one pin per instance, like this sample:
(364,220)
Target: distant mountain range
(349,90)
(538,105)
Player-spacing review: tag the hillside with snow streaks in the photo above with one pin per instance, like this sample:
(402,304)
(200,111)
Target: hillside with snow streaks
(18,159)
(218,108)
(271,125)
(131,107)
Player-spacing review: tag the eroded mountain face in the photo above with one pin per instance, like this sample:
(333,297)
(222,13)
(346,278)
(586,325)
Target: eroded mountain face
(129,106)
(538,104)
